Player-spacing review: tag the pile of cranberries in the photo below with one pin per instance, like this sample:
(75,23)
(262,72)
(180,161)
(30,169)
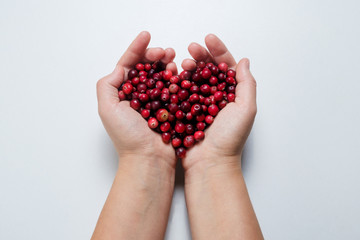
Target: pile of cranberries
(180,107)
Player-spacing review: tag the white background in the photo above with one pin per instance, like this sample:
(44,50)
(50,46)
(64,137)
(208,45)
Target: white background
(301,162)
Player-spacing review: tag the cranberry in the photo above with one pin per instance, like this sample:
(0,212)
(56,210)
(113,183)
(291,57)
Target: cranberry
(222,104)
(189,141)
(194,89)
(145,113)
(148,106)
(173,88)
(155,105)
(150,83)
(147,66)
(213,89)
(122,95)
(180,152)
(153,123)
(185,75)
(196,109)
(231,73)
(143,97)
(141,87)
(127,88)
(194,98)
(200,126)
(174,98)
(179,127)
(140,67)
(176,142)
(189,129)
(135,81)
(231,97)
(179,114)
(132,73)
(183,94)
(173,107)
(165,127)
(165,91)
(213,110)
(201,64)
(221,86)
(165,97)
(200,117)
(230,89)
(167,74)
(196,77)
(218,96)
(135,104)
(185,106)
(189,116)
(166,137)
(223,67)
(159,85)
(205,73)
(186,84)
(155,94)
(205,89)
(209,119)
(213,80)
(171,117)
(157,76)
(214,70)
(199,135)
(174,79)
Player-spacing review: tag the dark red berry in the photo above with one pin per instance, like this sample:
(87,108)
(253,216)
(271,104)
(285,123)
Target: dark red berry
(162,115)
(166,137)
(135,104)
(122,95)
(180,152)
(189,141)
(179,127)
(200,126)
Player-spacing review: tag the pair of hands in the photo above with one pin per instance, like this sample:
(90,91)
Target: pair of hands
(224,139)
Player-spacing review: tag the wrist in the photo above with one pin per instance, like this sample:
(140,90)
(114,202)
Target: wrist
(206,165)
(149,169)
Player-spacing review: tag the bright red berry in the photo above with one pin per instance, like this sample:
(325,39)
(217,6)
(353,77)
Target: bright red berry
(231,97)
(209,119)
(179,127)
(127,88)
(213,110)
(145,113)
(122,95)
(196,109)
(189,141)
(166,137)
(153,123)
(165,127)
(199,135)
(135,104)
(200,126)
(162,115)
(223,67)
(176,142)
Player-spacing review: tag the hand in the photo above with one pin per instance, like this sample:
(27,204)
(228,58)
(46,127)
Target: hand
(127,129)
(225,138)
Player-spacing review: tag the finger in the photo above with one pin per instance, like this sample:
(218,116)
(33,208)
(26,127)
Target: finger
(199,53)
(136,50)
(172,67)
(219,51)
(246,87)
(153,54)
(107,87)
(188,64)
(168,56)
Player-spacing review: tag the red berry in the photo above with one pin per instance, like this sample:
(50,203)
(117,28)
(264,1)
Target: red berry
(196,109)
(223,67)
(201,64)
(221,86)
(218,96)
(135,81)
(132,73)
(153,123)
(185,106)
(122,95)
(213,80)
(159,85)
(165,97)
(222,104)
(127,88)
(176,142)
(186,84)
(162,115)
(167,74)
(179,127)
(171,117)
(147,66)
(199,135)
(231,73)
(165,127)
(174,98)
(213,89)
(200,126)
(183,94)
(155,94)
(155,105)
(166,137)
(135,104)
(213,110)
(140,67)
(189,141)
(205,73)
(173,107)
(175,79)
(150,83)
(143,97)
(230,81)
(145,113)
(179,114)
(194,89)
(180,152)
(205,89)
(189,116)
(231,97)
(209,119)
(189,129)
(194,98)
(230,89)
(141,87)
(200,117)
(214,70)
(196,77)
(185,75)
(173,88)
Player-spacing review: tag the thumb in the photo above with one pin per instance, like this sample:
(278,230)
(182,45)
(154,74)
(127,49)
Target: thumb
(107,87)
(246,85)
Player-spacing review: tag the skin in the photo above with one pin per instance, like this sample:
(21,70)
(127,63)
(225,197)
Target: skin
(217,200)
(139,201)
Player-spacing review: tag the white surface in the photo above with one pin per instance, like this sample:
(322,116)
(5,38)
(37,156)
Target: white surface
(302,160)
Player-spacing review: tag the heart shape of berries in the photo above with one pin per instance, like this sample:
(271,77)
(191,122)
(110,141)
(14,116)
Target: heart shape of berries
(180,107)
